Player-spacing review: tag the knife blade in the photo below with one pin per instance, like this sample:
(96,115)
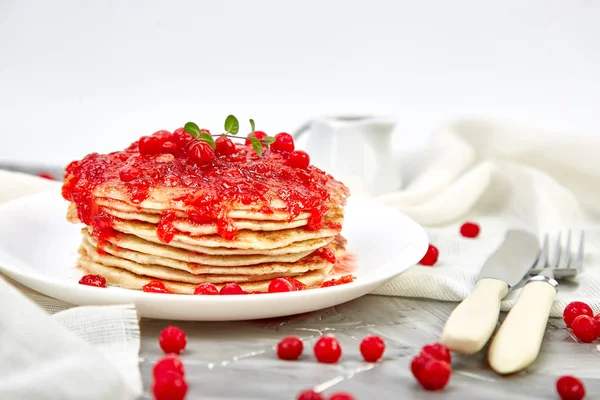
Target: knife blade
(473,321)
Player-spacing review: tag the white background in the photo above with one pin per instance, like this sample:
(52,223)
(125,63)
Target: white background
(82,76)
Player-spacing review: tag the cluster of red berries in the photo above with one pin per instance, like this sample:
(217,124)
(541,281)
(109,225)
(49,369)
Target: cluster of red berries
(432,367)
(168,373)
(468,229)
(277,285)
(580,318)
(328,350)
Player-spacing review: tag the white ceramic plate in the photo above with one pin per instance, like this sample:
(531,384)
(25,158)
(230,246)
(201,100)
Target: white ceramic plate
(38,248)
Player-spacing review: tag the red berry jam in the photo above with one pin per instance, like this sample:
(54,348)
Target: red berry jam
(206,288)
(327,350)
(232,288)
(155,287)
(326,254)
(283,142)
(372,348)
(575,309)
(310,395)
(570,388)
(470,230)
(431,257)
(129,173)
(93,280)
(290,348)
(279,285)
(339,281)
(169,386)
(298,159)
(168,364)
(296,283)
(172,340)
(224,146)
(585,328)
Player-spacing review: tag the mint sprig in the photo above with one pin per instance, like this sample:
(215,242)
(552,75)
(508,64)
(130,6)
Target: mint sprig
(232,125)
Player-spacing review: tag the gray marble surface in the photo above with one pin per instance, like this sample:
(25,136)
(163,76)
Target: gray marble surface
(236,360)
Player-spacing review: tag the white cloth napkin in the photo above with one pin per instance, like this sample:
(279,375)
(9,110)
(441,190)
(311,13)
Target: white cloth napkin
(501,176)
(52,350)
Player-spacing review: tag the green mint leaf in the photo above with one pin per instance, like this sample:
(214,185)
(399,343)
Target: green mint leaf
(232,125)
(257,146)
(252,125)
(208,139)
(192,129)
(268,140)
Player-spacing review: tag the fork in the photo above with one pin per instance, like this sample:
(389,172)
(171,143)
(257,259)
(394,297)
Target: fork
(517,343)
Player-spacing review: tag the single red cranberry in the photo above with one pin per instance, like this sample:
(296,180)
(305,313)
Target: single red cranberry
(150,145)
(278,285)
(283,142)
(310,395)
(328,350)
(297,284)
(129,173)
(431,257)
(46,175)
(232,288)
(224,146)
(163,135)
(585,328)
(417,364)
(469,229)
(341,396)
(167,364)
(169,147)
(172,340)
(434,375)
(206,288)
(257,134)
(200,152)
(437,351)
(298,159)
(181,138)
(597,318)
(575,309)
(169,386)
(93,280)
(290,348)
(570,388)
(155,287)
(372,348)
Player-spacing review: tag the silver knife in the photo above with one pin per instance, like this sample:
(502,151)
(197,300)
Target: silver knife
(473,321)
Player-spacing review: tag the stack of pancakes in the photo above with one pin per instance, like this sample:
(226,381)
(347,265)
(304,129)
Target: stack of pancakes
(267,245)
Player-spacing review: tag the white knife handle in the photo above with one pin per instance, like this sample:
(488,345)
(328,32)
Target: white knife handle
(517,343)
(473,321)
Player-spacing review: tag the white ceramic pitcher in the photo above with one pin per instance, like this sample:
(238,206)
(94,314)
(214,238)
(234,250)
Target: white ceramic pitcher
(356,150)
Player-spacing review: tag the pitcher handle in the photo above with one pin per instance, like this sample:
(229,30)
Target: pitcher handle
(301,130)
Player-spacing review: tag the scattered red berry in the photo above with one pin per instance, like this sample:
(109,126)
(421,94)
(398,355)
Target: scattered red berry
(279,285)
(434,374)
(169,386)
(597,318)
(181,138)
(150,145)
(310,395)
(417,364)
(570,388)
(155,287)
(257,134)
(372,348)
(129,173)
(297,284)
(283,142)
(437,351)
(431,257)
(341,396)
(172,340)
(166,364)
(200,152)
(93,280)
(298,159)
(327,254)
(575,309)
(342,280)
(232,288)
(585,328)
(328,350)
(206,288)
(224,146)
(470,230)
(46,175)
(290,348)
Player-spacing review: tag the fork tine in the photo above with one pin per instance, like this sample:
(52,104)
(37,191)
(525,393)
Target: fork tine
(566,256)
(556,254)
(543,256)
(580,252)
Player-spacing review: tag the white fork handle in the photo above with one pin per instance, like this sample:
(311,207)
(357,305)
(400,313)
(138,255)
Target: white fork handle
(473,321)
(517,343)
